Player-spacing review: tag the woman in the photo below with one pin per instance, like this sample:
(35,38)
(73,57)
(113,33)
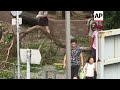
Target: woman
(43,20)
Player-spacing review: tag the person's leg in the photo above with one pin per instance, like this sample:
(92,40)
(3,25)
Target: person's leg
(39,34)
(47,28)
(76,70)
(2,39)
(75,78)
(46,24)
(89,77)
(72,72)
(94,54)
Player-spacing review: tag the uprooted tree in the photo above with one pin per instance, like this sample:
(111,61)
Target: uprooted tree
(11,40)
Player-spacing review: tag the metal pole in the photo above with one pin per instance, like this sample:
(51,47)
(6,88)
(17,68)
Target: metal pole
(46,74)
(54,74)
(68,44)
(28,63)
(101,56)
(96,50)
(14,71)
(96,64)
(18,47)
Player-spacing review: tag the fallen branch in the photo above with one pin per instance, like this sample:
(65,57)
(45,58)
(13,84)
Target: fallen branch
(49,36)
(8,51)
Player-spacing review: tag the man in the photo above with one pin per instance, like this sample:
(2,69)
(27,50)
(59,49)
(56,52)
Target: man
(96,29)
(76,58)
(91,26)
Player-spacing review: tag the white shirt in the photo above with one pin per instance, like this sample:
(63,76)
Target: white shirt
(42,13)
(89,69)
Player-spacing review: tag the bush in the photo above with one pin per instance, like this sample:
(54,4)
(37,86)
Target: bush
(82,41)
(6,75)
(58,66)
(8,38)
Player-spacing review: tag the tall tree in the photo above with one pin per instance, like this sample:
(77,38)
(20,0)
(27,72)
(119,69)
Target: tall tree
(111,20)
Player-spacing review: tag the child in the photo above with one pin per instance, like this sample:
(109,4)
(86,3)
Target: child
(89,68)
(43,19)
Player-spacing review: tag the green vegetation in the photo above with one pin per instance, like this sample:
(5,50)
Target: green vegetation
(82,41)
(8,38)
(6,75)
(32,46)
(58,66)
(51,53)
(111,20)
(34,68)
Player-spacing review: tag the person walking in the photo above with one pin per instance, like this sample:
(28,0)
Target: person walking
(76,59)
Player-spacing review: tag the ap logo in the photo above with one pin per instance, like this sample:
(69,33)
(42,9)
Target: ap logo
(98,16)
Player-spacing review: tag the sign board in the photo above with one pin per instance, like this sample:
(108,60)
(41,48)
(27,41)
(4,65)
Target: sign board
(98,16)
(14,13)
(35,56)
(14,21)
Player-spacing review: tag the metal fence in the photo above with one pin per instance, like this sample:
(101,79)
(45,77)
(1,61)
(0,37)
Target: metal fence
(109,54)
(45,72)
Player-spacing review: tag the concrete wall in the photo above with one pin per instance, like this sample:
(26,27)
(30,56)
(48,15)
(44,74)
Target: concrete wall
(5,16)
(78,27)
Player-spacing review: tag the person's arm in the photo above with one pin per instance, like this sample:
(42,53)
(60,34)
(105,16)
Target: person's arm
(88,27)
(91,42)
(94,67)
(92,39)
(81,59)
(64,62)
(39,14)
